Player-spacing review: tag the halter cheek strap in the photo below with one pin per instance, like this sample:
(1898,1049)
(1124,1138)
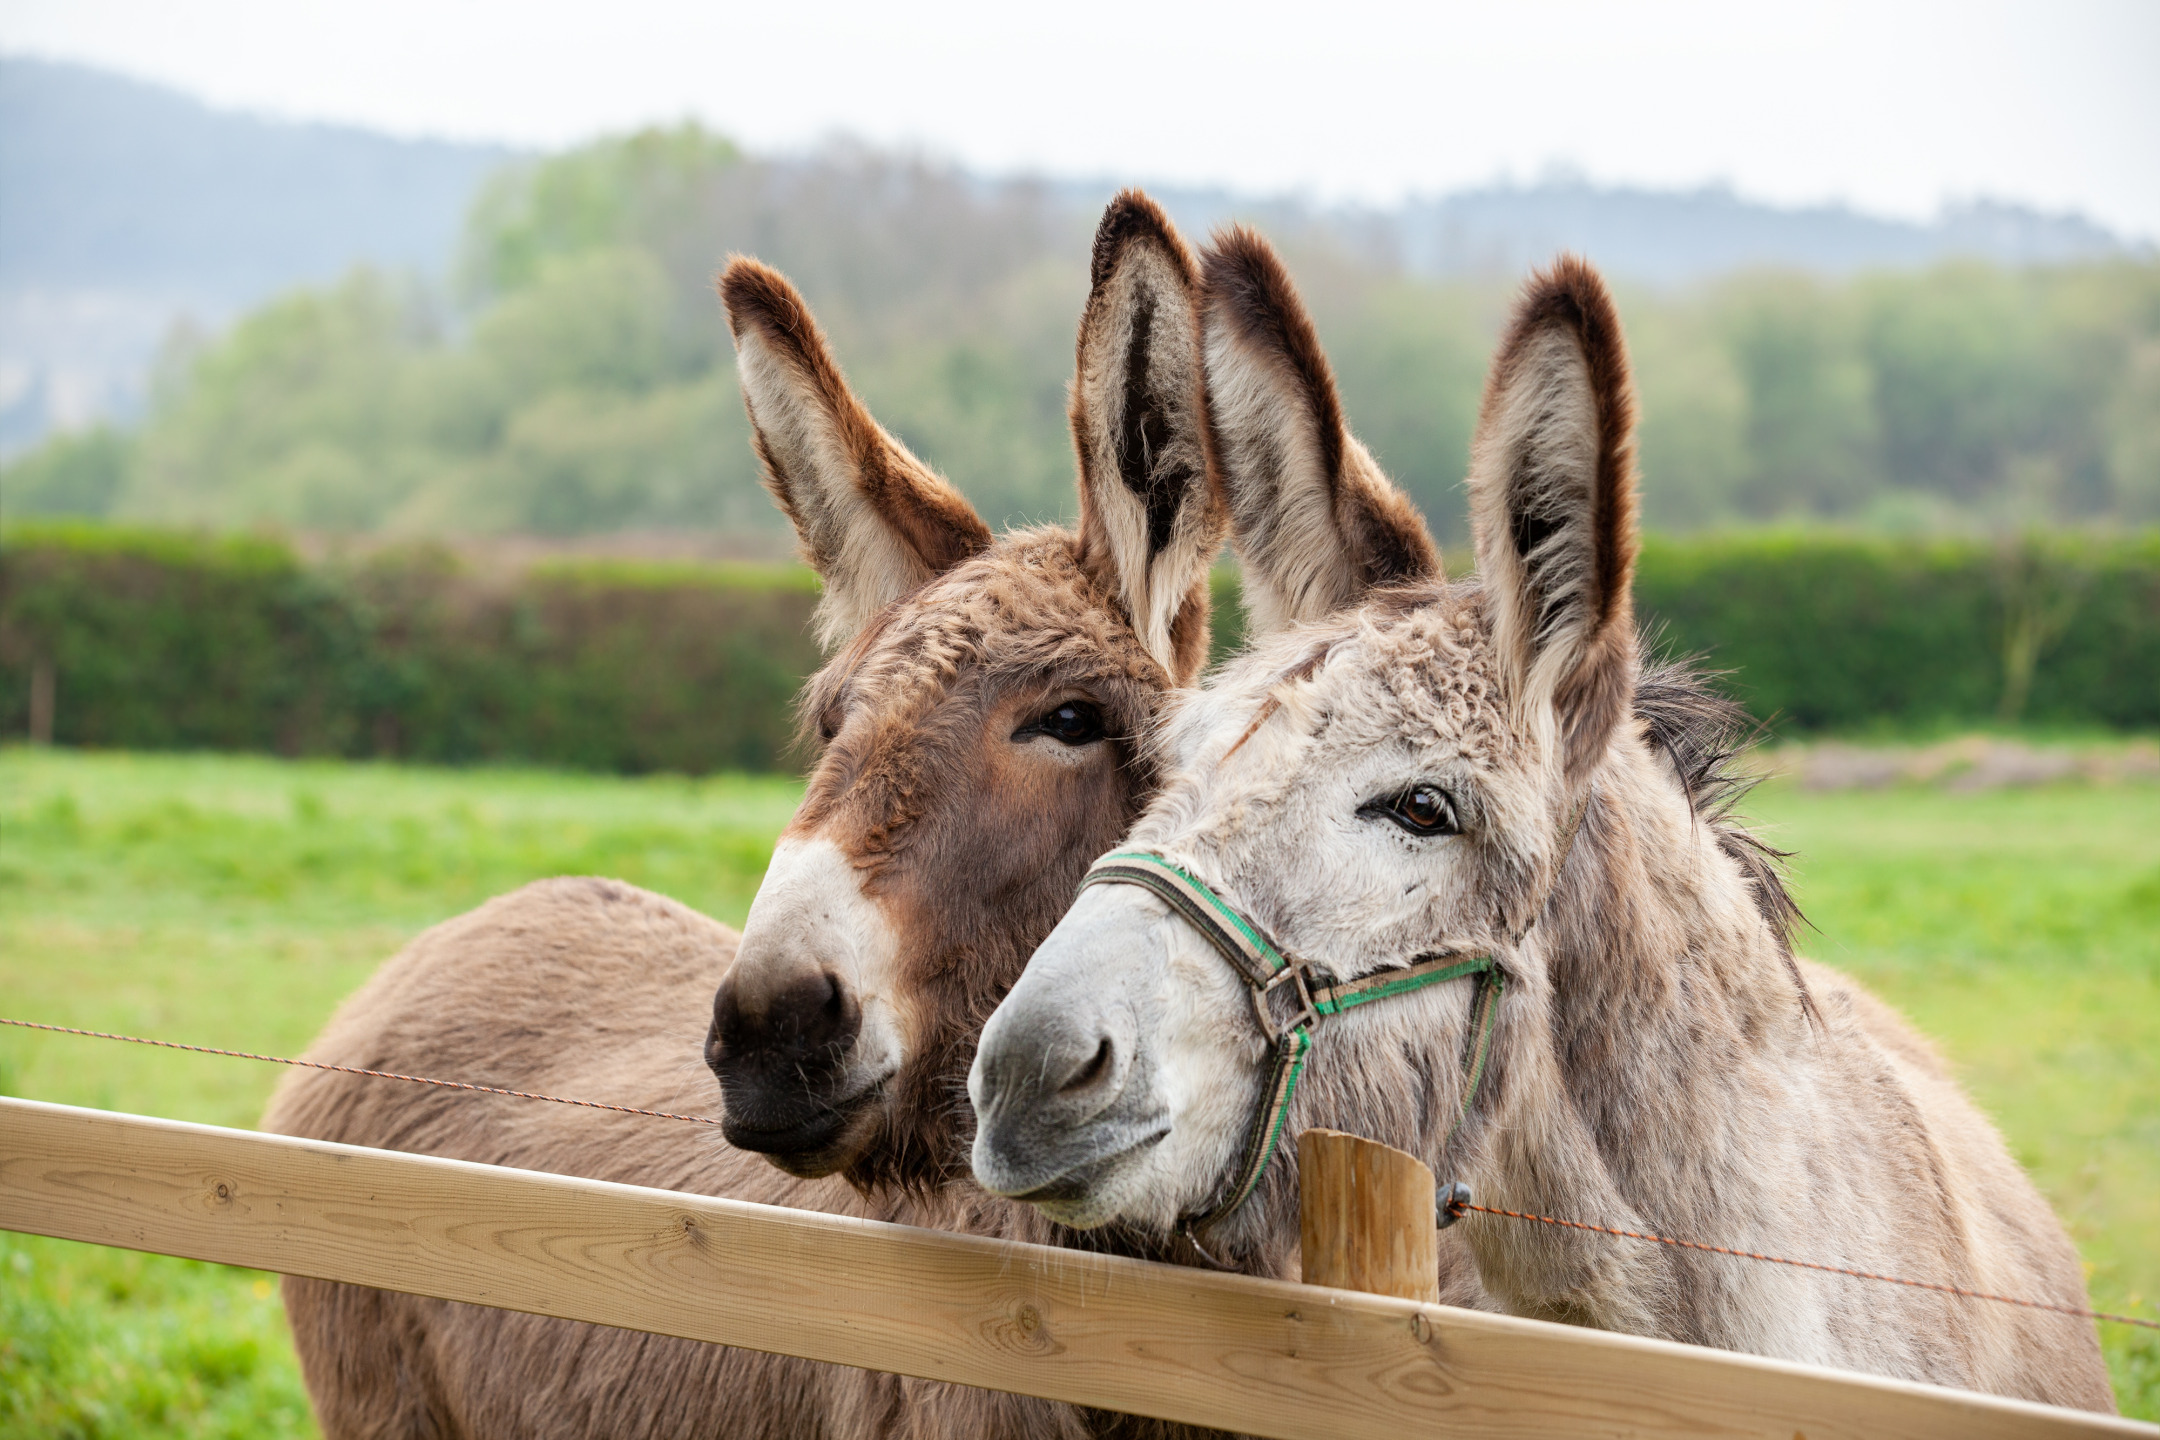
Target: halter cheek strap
(1268,971)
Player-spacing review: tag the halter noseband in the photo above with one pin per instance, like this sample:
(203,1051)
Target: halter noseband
(1267,970)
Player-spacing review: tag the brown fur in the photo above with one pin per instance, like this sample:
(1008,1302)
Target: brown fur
(973,859)
(968,844)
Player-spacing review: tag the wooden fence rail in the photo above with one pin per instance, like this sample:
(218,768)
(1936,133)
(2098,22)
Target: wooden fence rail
(1261,1356)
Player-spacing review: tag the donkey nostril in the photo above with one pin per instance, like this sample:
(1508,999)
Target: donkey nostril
(1096,1069)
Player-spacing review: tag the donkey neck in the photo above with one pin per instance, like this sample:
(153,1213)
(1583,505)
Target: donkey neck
(1653,924)
(1665,1007)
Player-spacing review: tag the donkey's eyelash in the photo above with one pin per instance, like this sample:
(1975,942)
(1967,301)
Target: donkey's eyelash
(1423,810)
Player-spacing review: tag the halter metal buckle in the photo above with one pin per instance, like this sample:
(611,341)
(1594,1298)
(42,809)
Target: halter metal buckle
(1303,1018)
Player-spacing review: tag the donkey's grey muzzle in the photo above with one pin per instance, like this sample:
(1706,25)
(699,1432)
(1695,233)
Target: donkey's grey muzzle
(1061,1085)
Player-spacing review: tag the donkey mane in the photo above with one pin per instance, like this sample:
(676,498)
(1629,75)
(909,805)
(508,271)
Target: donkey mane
(1704,734)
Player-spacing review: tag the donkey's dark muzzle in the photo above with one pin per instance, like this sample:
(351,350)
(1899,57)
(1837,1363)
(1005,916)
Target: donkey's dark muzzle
(780,1045)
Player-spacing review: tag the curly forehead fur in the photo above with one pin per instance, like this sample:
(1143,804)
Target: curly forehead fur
(1024,604)
(1433,675)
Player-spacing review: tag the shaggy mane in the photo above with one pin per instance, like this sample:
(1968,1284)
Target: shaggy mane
(1703,735)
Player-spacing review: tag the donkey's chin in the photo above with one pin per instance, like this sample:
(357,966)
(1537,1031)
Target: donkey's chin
(1085,1197)
(825,1141)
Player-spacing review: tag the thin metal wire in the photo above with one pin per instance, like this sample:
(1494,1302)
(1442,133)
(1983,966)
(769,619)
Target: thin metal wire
(1812,1265)
(357,1070)
(1458,1206)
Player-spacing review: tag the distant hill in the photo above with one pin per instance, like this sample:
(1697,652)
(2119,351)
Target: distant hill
(127,207)
(1671,238)
(113,184)
(1656,237)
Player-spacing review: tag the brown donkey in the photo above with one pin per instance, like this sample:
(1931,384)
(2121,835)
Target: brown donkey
(977,723)
(1478,807)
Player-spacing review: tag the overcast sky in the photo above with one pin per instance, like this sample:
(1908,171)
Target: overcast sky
(1891,107)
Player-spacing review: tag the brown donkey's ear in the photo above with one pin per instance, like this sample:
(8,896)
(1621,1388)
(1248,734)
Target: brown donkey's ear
(872,519)
(1151,513)
(1552,505)
(1312,517)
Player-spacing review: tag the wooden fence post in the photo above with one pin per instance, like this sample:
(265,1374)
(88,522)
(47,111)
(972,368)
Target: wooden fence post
(1365,1217)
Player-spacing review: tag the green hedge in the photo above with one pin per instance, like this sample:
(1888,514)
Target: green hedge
(159,641)
(162,641)
(1829,632)
(1825,632)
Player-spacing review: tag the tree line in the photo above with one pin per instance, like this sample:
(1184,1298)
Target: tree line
(574,377)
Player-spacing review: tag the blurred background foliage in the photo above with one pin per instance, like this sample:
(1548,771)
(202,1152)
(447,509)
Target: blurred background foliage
(575,378)
(155,640)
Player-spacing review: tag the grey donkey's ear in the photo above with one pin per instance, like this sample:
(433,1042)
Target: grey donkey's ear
(1313,518)
(1151,512)
(874,521)
(1552,505)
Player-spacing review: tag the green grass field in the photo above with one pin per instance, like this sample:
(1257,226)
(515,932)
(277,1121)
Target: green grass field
(234,901)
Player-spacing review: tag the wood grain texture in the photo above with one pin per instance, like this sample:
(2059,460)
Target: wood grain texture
(1261,1356)
(1365,1217)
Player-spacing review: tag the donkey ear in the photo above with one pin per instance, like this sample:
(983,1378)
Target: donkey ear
(1151,511)
(1552,505)
(874,521)
(1312,517)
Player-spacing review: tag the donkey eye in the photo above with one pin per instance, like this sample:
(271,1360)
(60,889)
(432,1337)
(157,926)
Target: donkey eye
(1421,810)
(1074,722)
